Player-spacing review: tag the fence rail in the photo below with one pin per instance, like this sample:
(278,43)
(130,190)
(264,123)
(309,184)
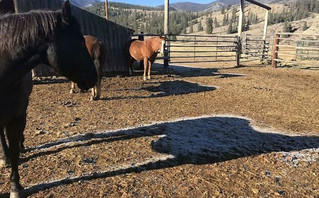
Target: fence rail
(297,49)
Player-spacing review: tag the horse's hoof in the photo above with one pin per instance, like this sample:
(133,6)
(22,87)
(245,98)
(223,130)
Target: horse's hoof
(148,78)
(4,163)
(15,194)
(144,78)
(71,91)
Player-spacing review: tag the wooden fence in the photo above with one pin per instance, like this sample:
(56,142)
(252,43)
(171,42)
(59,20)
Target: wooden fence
(291,49)
(113,35)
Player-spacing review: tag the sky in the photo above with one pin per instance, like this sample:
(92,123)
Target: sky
(158,2)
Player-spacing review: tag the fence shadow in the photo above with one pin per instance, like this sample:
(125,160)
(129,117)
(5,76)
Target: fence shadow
(185,71)
(202,140)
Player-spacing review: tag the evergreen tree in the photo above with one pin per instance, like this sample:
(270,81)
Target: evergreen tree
(230,28)
(209,26)
(199,27)
(222,11)
(305,26)
(191,28)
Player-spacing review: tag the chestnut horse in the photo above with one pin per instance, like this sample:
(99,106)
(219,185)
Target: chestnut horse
(97,52)
(145,51)
(29,39)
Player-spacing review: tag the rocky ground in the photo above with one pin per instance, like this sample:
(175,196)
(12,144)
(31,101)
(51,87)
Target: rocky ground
(189,132)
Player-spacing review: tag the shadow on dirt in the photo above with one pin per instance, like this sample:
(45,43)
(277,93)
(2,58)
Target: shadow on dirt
(201,140)
(167,88)
(200,72)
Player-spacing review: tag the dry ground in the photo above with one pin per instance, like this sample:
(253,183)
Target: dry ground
(173,136)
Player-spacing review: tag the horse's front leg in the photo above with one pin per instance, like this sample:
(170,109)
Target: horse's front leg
(72,87)
(4,149)
(14,131)
(145,68)
(149,70)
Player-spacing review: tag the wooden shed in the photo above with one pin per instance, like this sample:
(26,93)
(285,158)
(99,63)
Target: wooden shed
(113,35)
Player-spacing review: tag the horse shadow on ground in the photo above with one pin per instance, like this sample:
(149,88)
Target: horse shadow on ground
(166,88)
(202,140)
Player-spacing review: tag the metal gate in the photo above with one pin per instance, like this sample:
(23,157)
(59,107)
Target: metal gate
(202,48)
(255,48)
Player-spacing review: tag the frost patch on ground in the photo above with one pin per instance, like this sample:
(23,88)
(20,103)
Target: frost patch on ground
(295,157)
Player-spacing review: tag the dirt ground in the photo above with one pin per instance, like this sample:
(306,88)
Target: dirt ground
(189,132)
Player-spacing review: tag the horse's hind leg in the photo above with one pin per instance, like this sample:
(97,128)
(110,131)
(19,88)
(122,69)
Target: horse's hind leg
(14,131)
(72,87)
(4,148)
(98,89)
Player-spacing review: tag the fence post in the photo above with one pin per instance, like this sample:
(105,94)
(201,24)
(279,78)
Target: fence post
(239,50)
(275,51)
(141,38)
(166,53)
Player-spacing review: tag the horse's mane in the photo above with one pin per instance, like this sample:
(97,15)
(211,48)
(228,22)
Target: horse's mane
(19,30)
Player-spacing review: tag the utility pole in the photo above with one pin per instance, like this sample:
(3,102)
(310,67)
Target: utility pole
(166,31)
(106,9)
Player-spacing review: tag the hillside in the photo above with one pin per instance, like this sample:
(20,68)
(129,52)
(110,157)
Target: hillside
(84,3)
(150,19)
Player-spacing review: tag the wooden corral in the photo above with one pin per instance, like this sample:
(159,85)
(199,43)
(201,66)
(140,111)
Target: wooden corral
(296,50)
(113,35)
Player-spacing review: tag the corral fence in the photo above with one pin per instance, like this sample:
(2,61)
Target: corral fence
(114,36)
(212,48)
(200,48)
(256,48)
(292,49)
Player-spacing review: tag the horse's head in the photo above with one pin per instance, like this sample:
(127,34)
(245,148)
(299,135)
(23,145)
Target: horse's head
(68,54)
(159,44)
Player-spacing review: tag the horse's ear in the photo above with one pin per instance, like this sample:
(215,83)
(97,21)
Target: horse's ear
(66,12)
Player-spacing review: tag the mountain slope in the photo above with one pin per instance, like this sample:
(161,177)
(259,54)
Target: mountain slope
(83,3)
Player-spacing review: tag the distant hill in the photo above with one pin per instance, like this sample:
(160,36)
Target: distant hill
(83,3)
(214,6)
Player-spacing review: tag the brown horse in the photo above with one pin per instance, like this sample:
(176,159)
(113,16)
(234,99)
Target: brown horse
(145,51)
(97,52)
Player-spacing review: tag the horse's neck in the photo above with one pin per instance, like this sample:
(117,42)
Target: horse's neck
(15,67)
(151,45)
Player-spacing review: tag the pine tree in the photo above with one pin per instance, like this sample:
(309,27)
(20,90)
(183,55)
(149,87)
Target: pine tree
(305,26)
(230,28)
(209,26)
(199,27)
(191,29)
(222,11)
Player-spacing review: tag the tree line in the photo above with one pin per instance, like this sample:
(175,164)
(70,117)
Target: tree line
(150,20)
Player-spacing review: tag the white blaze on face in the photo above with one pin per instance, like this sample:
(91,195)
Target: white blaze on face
(162,48)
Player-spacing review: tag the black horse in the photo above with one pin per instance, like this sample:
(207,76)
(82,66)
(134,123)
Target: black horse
(26,40)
